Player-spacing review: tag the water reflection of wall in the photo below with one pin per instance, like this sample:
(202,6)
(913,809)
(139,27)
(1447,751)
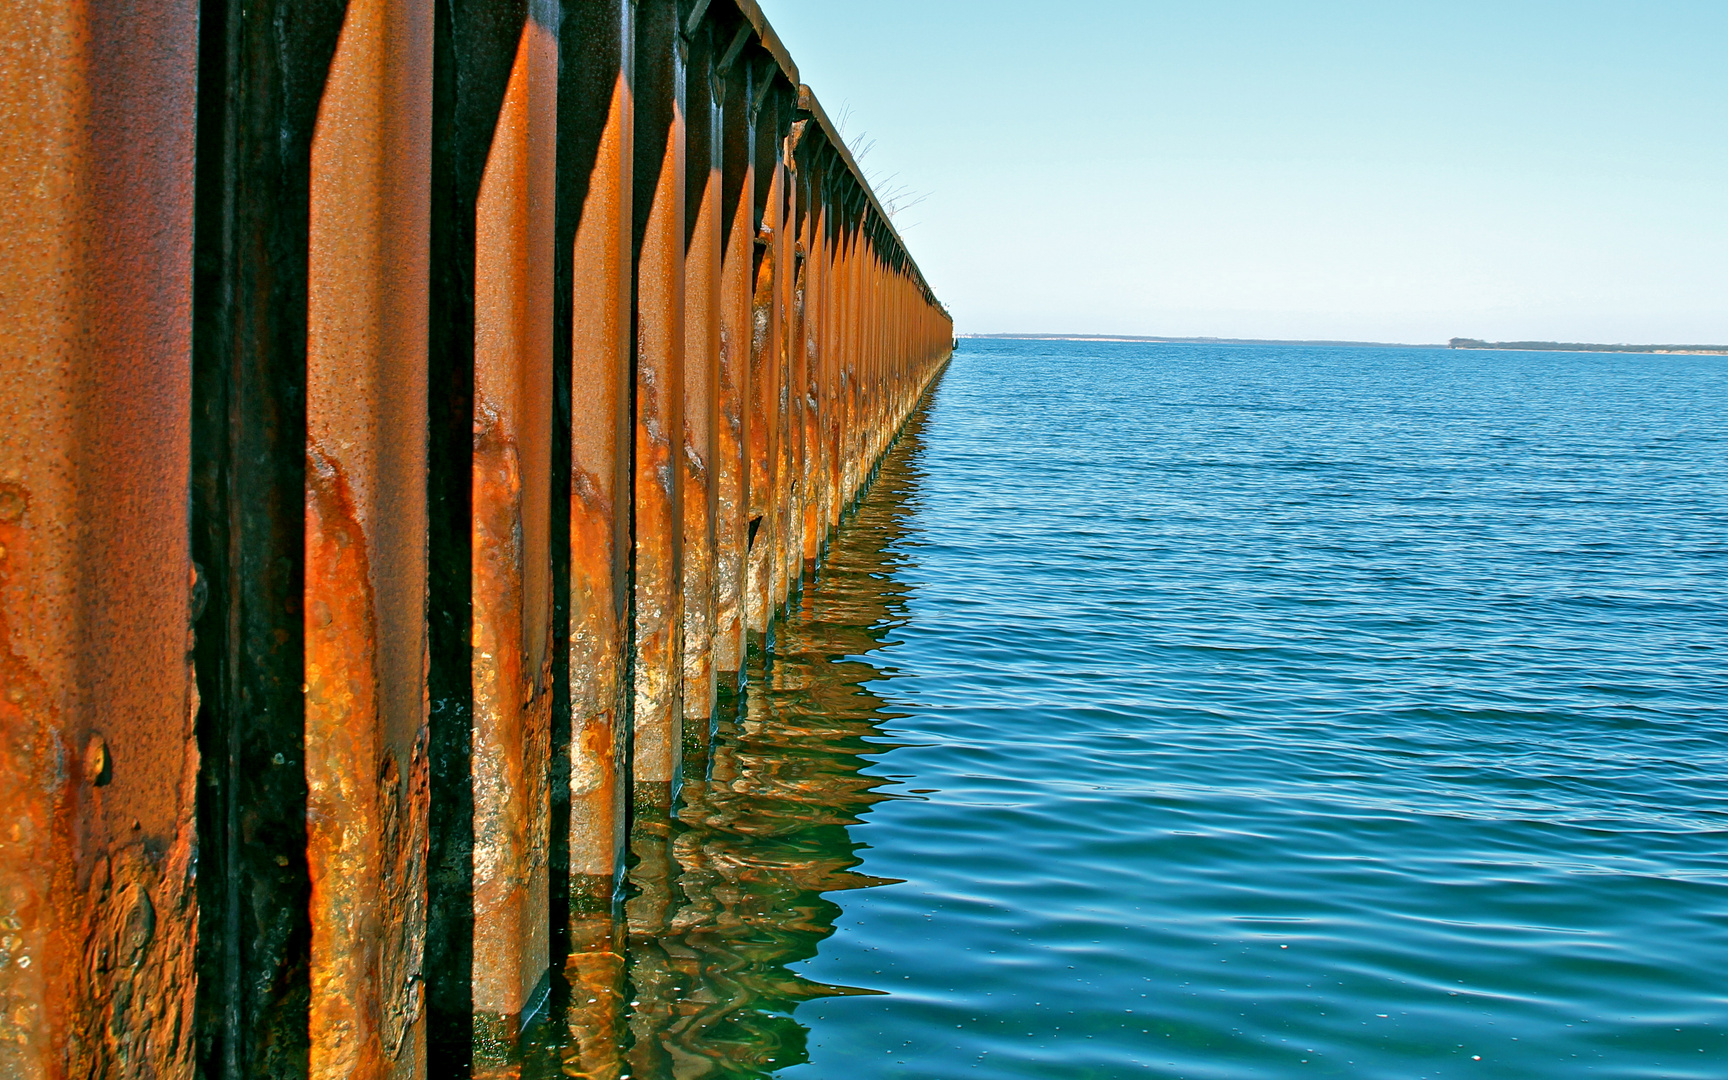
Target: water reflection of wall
(692,978)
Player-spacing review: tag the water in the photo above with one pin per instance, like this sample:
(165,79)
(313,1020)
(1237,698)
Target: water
(1229,711)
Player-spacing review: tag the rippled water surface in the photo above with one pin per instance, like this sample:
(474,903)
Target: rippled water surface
(1226,711)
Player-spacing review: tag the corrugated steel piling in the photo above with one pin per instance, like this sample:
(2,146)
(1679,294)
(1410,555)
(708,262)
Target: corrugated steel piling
(414,411)
(657,565)
(511,561)
(597,162)
(702,142)
(764,427)
(363,606)
(737,212)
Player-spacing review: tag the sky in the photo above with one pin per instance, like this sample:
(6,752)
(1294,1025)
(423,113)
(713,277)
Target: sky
(1394,170)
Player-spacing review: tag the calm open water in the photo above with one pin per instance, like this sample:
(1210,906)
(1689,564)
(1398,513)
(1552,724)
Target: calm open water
(1223,711)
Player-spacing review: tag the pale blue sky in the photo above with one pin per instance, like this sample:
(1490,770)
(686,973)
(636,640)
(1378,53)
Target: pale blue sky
(1387,170)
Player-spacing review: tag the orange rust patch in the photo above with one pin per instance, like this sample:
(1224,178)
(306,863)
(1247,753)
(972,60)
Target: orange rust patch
(365,814)
(596,660)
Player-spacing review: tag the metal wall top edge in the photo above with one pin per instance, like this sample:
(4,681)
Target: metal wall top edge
(807,102)
(770,40)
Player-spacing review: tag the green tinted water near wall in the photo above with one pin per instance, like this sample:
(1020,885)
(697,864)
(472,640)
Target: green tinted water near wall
(697,978)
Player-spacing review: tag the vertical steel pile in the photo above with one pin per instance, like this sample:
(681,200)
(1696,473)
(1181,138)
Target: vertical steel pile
(391,488)
(99,766)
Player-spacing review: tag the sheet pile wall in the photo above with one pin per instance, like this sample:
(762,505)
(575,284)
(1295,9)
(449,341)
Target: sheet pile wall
(415,410)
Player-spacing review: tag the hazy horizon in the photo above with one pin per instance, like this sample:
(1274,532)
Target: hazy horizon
(1336,170)
(1441,344)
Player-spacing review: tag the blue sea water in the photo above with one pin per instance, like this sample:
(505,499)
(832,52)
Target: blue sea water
(1231,711)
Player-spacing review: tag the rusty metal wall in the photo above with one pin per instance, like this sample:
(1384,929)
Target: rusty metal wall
(393,488)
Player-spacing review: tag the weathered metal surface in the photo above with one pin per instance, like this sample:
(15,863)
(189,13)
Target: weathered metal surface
(764,430)
(785,337)
(702,134)
(737,271)
(489,489)
(810,359)
(598,159)
(797,364)
(834,348)
(98,763)
(852,349)
(365,544)
(511,561)
(659,392)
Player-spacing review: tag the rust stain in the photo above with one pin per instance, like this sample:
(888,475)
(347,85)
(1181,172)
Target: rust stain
(137,1007)
(850,376)
(732,445)
(732,387)
(365,809)
(810,366)
(834,404)
(785,328)
(600,430)
(511,560)
(363,605)
(659,607)
(511,741)
(699,497)
(764,515)
(596,661)
(35,890)
(96,961)
(97,910)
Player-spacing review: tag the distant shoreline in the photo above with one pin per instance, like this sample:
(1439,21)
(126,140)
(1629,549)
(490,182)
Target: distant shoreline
(1575,346)
(1455,343)
(1197,340)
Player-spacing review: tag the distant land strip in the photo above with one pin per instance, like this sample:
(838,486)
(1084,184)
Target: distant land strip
(1574,346)
(1455,343)
(1196,340)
